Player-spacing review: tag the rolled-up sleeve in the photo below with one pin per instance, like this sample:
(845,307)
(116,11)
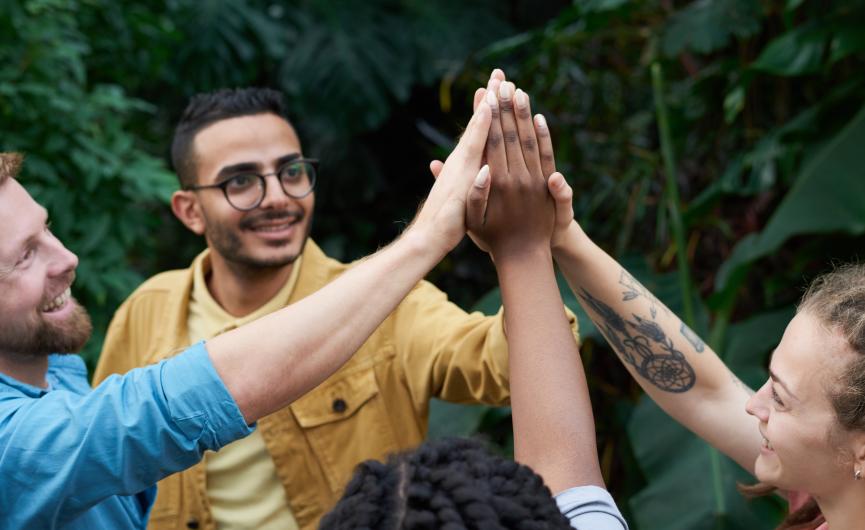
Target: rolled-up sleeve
(63,452)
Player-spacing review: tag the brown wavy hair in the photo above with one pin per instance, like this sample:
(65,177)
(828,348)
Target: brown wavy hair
(10,165)
(837,300)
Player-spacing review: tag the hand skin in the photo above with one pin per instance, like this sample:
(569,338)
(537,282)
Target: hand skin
(554,431)
(270,362)
(564,210)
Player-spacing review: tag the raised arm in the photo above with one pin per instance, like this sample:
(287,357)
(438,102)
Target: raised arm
(554,431)
(267,364)
(672,364)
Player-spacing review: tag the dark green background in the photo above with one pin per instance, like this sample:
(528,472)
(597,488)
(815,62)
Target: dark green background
(758,161)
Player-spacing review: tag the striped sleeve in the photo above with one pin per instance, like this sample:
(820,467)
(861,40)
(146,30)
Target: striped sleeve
(590,508)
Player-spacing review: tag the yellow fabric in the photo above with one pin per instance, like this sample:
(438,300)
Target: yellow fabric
(376,404)
(242,485)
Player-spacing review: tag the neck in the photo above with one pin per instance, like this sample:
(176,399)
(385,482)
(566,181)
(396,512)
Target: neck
(845,510)
(239,289)
(30,369)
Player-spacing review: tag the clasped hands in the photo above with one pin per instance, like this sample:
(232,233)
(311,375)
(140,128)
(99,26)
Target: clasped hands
(518,202)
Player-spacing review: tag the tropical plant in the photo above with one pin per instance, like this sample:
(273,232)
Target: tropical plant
(712,146)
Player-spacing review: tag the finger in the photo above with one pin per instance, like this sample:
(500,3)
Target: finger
(545,146)
(435,167)
(526,131)
(476,202)
(563,195)
(498,73)
(492,85)
(474,139)
(495,151)
(509,128)
(479,96)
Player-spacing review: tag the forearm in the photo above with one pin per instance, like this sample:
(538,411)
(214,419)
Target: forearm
(554,430)
(269,363)
(672,364)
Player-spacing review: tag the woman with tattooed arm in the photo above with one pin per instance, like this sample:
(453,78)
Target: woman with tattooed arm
(802,431)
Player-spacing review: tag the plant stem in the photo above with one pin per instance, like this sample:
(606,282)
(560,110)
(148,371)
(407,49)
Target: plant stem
(673,195)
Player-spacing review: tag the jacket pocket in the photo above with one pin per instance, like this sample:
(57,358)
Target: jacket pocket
(345,422)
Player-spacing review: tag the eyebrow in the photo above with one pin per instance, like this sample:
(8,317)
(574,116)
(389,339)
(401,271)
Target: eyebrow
(253,167)
(778,380)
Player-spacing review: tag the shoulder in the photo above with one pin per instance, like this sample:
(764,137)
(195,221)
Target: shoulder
(158,290)
(162,283)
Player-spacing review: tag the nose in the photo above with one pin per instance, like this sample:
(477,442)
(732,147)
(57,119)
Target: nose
(274,196)
(62,260)
(757,404)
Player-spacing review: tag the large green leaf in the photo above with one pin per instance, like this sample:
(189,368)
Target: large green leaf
(708,25)
(796,52)
(827,196)
(690,485)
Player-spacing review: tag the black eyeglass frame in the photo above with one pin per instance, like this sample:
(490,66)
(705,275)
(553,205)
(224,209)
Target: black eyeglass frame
(262,177)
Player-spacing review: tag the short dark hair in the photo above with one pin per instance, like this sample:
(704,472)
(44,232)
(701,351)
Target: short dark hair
(10,165)
(205,109)
(454,483)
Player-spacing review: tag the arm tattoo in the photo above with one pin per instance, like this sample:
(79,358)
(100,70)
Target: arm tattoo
(634,289)
(692,337)
(644,345)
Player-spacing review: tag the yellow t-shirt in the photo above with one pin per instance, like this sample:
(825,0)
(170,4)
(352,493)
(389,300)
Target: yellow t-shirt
(242,485)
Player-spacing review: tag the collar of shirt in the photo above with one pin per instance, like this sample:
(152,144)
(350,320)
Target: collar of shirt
(208,319)
(60,368)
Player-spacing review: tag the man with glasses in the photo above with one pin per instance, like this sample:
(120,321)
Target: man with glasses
(248,189)
(72,457)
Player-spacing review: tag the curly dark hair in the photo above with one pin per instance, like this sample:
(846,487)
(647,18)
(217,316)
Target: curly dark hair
(449,484)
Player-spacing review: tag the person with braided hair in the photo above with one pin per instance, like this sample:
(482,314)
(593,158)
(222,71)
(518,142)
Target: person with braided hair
(456,484)
(451,484)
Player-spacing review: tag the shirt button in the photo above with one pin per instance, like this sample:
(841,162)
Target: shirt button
(339,405)
(192,523)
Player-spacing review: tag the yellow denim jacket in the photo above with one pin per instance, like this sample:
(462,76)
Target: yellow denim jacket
(376,404)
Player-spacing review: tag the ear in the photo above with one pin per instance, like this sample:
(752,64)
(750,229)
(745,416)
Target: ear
(185,206)
(858,446)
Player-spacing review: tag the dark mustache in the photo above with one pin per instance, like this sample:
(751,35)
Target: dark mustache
(251,221)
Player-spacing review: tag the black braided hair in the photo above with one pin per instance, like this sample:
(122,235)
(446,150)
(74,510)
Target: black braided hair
(449,484)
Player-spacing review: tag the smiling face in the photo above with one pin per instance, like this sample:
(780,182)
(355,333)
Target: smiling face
(804,448)
(38,314)
(271,235)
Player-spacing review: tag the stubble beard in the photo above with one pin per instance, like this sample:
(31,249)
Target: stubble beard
(38,336)
(227,243)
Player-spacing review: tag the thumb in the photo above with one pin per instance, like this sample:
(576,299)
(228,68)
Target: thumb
(563,194)
(476,202)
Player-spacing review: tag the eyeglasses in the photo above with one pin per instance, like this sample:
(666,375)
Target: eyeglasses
(246,191)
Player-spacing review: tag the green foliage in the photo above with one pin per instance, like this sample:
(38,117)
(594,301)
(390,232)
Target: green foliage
(763,105)
(759,123)
(83,165)
(708,25)
(827,197)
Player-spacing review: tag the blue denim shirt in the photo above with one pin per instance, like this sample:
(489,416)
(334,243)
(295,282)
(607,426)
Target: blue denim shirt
(76,458)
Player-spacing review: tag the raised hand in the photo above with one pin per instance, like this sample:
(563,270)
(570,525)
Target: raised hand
(558,187)
(520,213)
(443,215)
